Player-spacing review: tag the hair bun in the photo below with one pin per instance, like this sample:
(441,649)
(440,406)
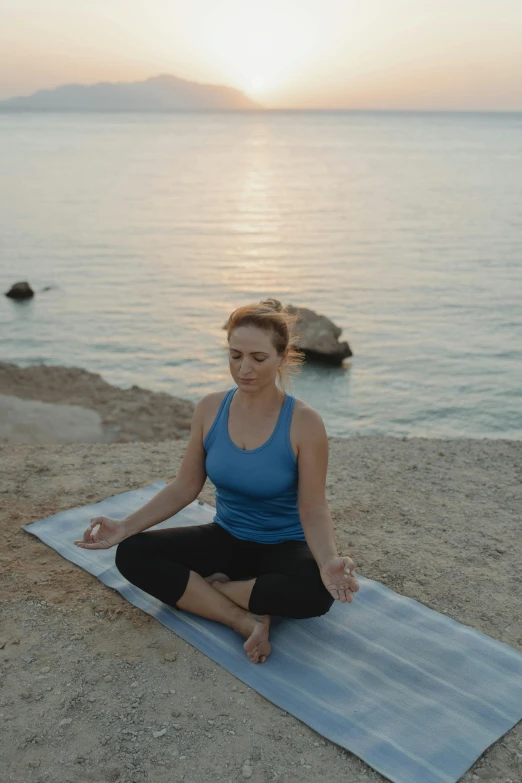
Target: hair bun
(274,304)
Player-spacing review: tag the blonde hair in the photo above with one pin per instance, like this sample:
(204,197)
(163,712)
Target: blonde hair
(270,316)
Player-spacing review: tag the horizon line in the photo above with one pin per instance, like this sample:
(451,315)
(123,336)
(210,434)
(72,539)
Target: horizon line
(260,110)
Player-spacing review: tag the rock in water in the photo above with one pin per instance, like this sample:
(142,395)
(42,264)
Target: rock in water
(319,337)
(20,291)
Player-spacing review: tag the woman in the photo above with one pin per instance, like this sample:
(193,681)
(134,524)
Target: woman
(271,548)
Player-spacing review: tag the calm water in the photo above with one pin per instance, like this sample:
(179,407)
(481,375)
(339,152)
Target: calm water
(405,229)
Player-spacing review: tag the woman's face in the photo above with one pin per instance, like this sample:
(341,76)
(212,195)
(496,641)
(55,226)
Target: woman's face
(253,360)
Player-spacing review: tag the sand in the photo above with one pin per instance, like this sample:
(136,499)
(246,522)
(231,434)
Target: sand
(89,679)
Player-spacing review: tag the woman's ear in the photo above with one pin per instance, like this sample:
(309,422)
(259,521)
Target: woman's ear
(283,356)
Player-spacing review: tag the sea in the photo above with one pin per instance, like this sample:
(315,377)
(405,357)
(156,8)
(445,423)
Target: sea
(403,228)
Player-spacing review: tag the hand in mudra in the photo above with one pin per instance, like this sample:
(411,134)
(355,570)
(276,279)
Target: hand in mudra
(338,578)
(109,532)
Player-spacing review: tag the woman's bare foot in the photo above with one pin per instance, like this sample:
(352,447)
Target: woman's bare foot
(217,577)
(255,629)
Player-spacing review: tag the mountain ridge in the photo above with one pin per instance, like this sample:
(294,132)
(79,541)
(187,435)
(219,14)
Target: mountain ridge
(162,93)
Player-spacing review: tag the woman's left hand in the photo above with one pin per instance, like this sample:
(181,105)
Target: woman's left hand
(339,579)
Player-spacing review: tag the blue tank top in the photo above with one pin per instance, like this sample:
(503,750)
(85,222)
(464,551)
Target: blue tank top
(256,489)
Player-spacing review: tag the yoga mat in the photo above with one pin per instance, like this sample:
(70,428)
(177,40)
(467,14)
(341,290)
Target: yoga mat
(416,695)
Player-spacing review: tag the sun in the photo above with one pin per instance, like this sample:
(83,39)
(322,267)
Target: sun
(258,85)
(258,48)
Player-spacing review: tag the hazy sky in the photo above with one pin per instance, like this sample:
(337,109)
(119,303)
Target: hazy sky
(426,54)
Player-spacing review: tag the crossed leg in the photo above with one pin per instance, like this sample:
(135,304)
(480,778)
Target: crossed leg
(171,565)
(257,644)
(177,566)
(201,597)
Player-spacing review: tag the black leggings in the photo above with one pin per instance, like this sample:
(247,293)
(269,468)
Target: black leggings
(288,582)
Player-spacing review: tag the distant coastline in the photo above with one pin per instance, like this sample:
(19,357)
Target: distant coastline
(164,93)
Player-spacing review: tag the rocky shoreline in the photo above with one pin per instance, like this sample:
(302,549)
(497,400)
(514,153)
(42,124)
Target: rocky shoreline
(125,415)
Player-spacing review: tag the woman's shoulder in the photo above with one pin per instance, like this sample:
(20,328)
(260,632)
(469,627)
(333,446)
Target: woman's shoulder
(306,419)
(212,397)
(305,411)
(208,407)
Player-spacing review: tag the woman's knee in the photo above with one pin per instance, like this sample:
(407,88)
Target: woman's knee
(318,601)
(288,596)
(127,554)
(143,567)
(323,604)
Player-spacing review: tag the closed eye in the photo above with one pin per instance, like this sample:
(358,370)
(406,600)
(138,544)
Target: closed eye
(257,360)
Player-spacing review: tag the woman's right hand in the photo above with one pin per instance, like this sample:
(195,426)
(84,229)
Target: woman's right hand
(109,533)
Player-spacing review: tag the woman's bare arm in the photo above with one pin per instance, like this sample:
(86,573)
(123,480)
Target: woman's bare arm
(180,491)
(314,513)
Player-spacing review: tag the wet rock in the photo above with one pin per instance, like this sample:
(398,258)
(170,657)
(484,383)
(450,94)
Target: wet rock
(20,291)
(319,337)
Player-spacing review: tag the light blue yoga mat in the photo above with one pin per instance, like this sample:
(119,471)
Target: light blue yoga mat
(416,695)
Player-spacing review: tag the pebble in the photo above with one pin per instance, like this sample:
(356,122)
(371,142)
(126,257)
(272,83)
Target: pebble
(134,684)
(246,770)
(171,657)
(160,733)
(65,722)
(45,669)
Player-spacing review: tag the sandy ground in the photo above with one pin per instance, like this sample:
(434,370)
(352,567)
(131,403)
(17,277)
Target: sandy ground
(89,680)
